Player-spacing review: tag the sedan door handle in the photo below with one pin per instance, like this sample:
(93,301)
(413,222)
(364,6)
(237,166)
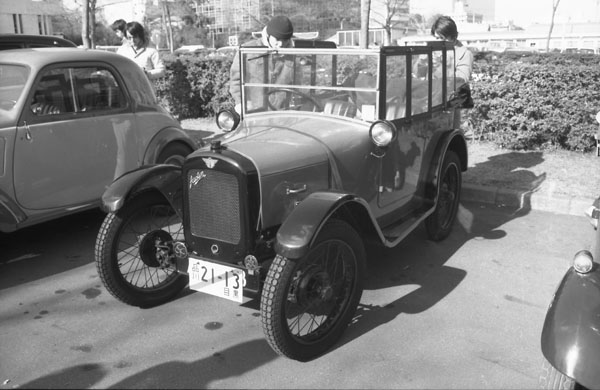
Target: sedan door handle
(298,190)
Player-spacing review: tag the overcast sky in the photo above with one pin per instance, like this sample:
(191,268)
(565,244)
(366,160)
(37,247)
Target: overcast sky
(525,12)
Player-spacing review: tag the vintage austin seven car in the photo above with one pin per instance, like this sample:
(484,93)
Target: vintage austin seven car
(353,146)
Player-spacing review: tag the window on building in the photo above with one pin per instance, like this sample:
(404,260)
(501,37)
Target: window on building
(18,23)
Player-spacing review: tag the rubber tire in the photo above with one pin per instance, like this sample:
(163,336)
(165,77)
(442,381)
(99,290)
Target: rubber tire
(552,379)
(437,230)
(107,263)
(174,153)
(277,285)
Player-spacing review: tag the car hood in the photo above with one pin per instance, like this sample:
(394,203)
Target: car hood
(297,156)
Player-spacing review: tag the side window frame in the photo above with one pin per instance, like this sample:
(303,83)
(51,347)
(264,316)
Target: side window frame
(73,111)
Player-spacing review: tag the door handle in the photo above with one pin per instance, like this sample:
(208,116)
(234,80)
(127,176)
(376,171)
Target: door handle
(27,131)
(289,191)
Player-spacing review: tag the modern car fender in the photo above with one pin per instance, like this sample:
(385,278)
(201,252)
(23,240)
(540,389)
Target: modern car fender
(165,178)
(163,138)
(571,336)
(301,227)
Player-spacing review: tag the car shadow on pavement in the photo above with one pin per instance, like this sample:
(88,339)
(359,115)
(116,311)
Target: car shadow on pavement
(418,282)
(230,362)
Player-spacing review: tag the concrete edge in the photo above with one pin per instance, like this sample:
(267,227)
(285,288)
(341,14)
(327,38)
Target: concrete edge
(524,199)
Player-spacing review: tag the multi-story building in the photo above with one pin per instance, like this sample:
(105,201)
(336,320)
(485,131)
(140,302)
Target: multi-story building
(28,16)
(230,16)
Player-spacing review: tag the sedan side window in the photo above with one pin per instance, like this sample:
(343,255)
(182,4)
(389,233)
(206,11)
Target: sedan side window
(53,94)
(76,90)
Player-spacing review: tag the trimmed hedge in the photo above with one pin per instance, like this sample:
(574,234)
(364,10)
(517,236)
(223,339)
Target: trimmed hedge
(522,100)
(194,86)
(535,101)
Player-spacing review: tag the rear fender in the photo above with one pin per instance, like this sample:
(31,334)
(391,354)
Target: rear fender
(163,138)
(165,178)
(571,336)
(451,140)
(301,227)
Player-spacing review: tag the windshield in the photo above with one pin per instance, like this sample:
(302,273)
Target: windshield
(12,85)
(361,84)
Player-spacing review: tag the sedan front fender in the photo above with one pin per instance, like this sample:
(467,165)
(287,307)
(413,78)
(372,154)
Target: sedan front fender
(571,333)
(165,178)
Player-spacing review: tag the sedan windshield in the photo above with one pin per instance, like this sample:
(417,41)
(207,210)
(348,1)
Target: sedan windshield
(12,85)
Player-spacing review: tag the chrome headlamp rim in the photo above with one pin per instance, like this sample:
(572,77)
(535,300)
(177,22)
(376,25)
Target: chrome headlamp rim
(583,261)
(227,119)
(383,133)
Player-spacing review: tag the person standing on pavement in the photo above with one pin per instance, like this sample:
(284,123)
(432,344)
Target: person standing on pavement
(138,50)
(119,27)
(444,28)
(277,34)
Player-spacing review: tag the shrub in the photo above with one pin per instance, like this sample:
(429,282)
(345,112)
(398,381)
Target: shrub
(194,86)
(538,101)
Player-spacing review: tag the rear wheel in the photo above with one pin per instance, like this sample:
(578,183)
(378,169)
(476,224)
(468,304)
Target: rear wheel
(439,224)
(174,153)
(134,251)
(307,303)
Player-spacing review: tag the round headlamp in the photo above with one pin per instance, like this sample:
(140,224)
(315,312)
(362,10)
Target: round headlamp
(583,261)
(382,133)
(227,119)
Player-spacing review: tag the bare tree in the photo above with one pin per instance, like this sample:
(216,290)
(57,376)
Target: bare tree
(365,10)
(88,22)
(388,19)
(555,4)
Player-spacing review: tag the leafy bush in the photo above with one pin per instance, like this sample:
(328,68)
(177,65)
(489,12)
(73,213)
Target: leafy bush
(194,86)
(537,101)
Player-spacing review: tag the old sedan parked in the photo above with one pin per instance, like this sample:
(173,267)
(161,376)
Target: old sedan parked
(72,121)
(354,146)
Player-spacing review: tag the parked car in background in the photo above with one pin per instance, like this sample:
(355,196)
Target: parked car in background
(71,121)
(353,146)
(23,41)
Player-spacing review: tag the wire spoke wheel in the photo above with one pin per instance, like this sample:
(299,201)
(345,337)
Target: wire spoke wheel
(134,251)
(307,303)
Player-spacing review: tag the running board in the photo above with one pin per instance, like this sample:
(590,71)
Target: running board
(395,233)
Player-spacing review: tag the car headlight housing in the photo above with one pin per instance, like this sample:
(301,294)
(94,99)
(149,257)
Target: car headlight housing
(583,261)
(228,120)
(382,133)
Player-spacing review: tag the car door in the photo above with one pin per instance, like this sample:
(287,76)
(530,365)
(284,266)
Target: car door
(66,151)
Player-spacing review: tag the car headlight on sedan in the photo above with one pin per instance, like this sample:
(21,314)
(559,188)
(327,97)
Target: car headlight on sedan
(382,133)
(583,261)
(228,120)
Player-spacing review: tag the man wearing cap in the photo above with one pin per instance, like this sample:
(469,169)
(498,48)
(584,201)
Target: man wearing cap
(276,34)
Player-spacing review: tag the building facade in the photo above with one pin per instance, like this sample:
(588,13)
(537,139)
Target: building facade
(230,16)
(28,16)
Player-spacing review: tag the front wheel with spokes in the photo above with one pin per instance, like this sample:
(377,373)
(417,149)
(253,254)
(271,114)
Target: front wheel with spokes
(307,303)
(134,251)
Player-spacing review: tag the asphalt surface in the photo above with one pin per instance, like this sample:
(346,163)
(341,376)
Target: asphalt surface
(463,313)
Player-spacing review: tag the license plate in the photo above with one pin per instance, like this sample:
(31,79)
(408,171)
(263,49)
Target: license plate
(216,279)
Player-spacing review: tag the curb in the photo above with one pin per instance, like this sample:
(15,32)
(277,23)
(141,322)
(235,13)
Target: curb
(524,199)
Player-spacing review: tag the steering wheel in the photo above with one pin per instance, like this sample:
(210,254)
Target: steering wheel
(288,92)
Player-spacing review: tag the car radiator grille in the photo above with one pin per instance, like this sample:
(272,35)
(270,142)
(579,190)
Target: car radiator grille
(214,206)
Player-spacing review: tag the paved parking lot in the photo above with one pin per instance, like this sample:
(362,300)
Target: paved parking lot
(464,313)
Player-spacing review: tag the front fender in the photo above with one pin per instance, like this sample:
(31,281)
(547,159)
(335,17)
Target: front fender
(165,178)
(571,332)
(300,228)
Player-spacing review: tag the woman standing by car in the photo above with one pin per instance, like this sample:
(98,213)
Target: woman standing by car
(146,57)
